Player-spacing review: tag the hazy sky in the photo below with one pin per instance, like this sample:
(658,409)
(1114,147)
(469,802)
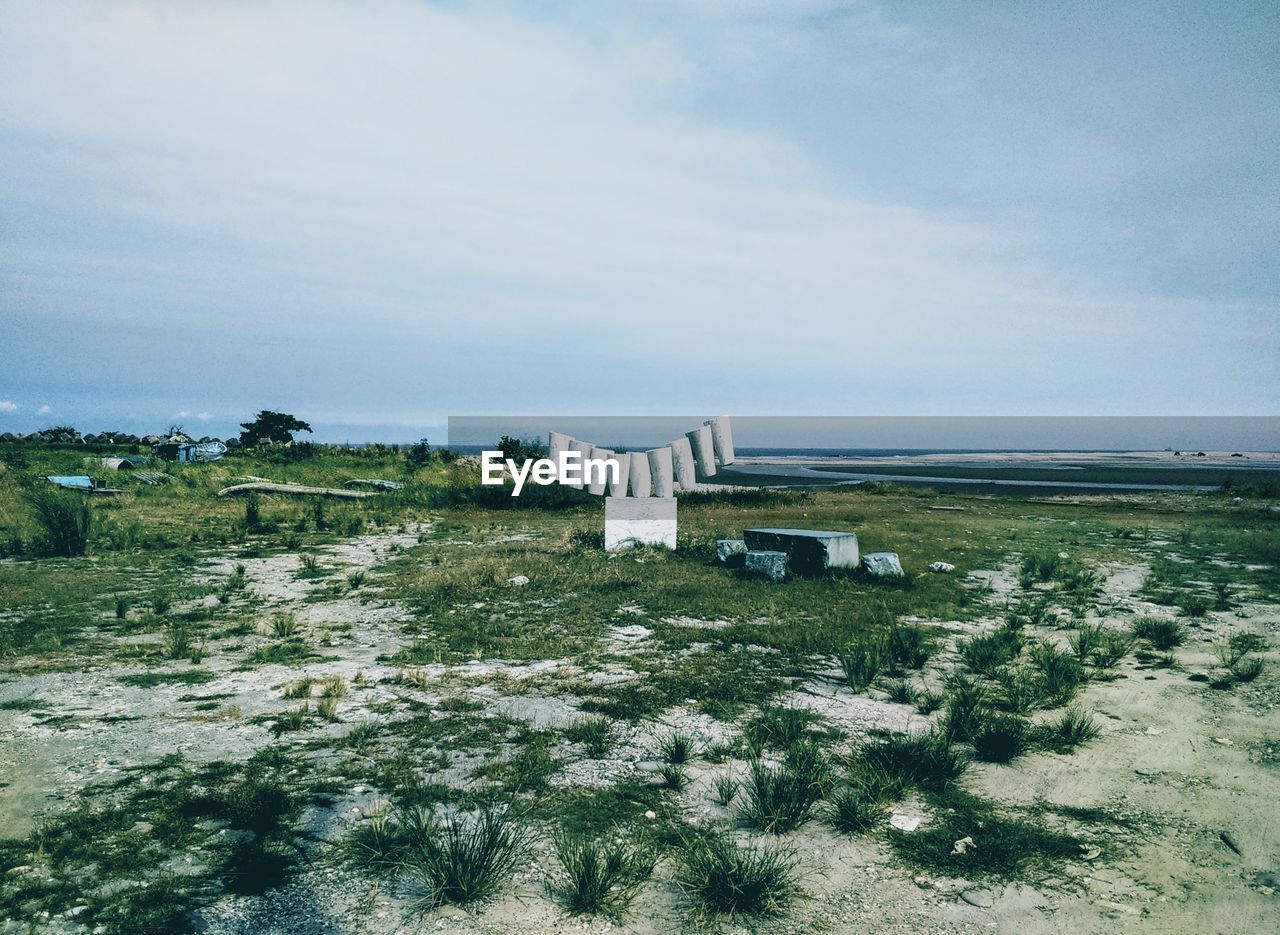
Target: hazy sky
(378,214)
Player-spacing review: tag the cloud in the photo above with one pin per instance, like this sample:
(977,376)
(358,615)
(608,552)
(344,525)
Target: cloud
(424,198)
(203,416)
(7,405)
(183,414)
(43,410)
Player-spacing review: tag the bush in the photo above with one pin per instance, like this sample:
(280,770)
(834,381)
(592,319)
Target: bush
(1039,566)
(778,726)
(908,646)
(463,859)
(1000,738)
(591,732)
(597,876)
(989,651)
(65,520)
(853,811)
(780,799)
(862,663)
(1160,633)
(1062,671)
(927,759)
(677,747)
(1073,728)
(965,707)
(722,877)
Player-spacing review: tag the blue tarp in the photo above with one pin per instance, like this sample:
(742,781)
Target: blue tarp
(74,482)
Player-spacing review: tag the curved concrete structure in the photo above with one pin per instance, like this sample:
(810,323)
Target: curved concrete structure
(639,474)
(584,448)
(704,456)
(661,472)
(556,443)
(619,489)
(686,470)
(598,484)
(722,438)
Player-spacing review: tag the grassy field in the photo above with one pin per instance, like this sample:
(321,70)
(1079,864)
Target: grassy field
(229,703)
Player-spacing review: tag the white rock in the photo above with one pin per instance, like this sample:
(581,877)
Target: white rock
(904,822)
(518,580)
(944,568)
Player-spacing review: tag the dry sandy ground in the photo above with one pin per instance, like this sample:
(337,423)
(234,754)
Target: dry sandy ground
(1194,772)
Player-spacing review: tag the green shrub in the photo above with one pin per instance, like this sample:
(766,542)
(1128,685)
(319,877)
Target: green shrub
(989,651)
(928,759)
(65,521)
(1000,738)
(1072,728)
(1160,633)
(722,877)
(908,646)
(465,859)
(863,662)
(853,810)
(1063,674)
(781,798)
(597,876)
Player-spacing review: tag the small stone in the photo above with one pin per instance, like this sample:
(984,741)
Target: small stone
(731,552)
(983,899)
(1225,741)
(651,814)
(773,565)
(942,568)
(959,847)
(518,580)
(882,565)
(904,822)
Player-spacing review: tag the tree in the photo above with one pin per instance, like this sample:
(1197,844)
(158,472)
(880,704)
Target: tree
(521,449)
(417,455)
(271,427)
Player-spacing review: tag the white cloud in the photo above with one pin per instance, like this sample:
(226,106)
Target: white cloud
(203,416)
(43,410)
(7,405)
(183,414)
(435,178)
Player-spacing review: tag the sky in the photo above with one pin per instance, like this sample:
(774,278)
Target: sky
(375,215)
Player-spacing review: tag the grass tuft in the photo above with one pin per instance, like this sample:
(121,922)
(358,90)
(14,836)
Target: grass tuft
(722,877)
(595,876)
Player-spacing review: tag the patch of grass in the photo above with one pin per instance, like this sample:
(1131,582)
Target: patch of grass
(592,732)
(853,811)
(462,859)
(1000,738)
(779,727)
(926,702)
(908,645)
(283,626)
(183,677)
(986,653)
(1193,604)
(779,798)
(1005,846)
(65,521)
(721,877)
(177,643)
(900,692)
(726,788)
(965,708)
(1062,672)
(1073,727)
(1160,633)
(862,662)
(1038,566)
(673,777)
(597,876)
(677,747)
(926,759)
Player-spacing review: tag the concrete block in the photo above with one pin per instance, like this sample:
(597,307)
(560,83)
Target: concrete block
(704,456)
(773,565)
(812,551)
(882,565)
(640,483)
(619,489)
(730,552)
(722,438)
(686,470)
(661,472)
(632,521)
